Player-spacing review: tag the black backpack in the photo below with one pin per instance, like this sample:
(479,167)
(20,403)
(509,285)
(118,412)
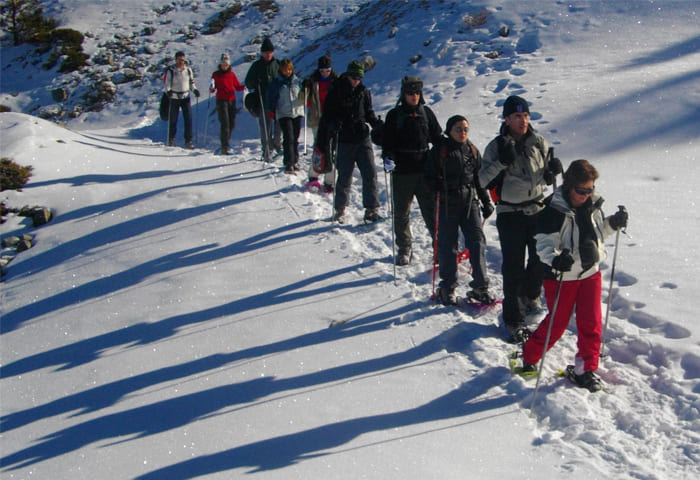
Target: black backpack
(164,109)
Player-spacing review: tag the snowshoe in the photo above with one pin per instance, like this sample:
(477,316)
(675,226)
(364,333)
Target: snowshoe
(588,380)
(518,333)
(527,370)
(371,215)
(481,295)
(446,296)
(313,186)
(327,188)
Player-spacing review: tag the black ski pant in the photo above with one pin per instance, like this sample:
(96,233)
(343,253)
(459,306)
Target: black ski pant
(461,212)
(226,111)
(404,187)
(177,104)
(348,155)
(291,127)
(522,280)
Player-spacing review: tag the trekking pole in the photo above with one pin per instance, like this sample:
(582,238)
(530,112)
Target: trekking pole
(549,333)
(435,240)
(195,118)
(206,117)
(170,106)
(550,155)
(390,194)
(305,122)
(264,136)
(612,276)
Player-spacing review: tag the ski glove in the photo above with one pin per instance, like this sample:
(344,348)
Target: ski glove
(555,166)
(389,164)
(619,220)
(563,262)
(487,209)
(508,153)
(196,92)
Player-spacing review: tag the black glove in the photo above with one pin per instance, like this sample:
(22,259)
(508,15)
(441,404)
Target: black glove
(619,220)
(486,209)
(555,166)
(169,93)
(549,177)
(507,153)
(563,262)
(196,93)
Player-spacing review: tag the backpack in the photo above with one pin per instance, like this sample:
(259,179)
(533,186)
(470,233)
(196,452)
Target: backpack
(252,103)
(164,109)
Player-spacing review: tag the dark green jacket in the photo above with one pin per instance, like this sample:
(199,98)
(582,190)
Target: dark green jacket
(260,74)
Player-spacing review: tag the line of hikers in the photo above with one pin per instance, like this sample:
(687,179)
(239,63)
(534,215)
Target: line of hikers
(555,241)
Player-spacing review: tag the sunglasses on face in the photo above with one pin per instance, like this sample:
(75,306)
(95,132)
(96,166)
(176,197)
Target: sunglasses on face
(413,92)
(324,70)
(584,191)
(355,77)
(461,129)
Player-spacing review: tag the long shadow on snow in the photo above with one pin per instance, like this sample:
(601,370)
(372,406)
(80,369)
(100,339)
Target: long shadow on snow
(127,229)
(104,208)
(176,412)
(80,180)
(107,285)
(85,351)
(668,54)
(286,450)
(680,128)
(110,394)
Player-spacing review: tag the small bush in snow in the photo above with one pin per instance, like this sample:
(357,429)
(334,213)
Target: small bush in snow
(13,176)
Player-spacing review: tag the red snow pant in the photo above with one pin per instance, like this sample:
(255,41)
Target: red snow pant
(585,295)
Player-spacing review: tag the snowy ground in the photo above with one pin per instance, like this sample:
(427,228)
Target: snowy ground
(172,321)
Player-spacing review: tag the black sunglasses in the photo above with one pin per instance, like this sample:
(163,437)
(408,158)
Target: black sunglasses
(583,191)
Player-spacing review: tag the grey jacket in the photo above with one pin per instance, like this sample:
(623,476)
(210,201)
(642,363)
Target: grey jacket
(521,185)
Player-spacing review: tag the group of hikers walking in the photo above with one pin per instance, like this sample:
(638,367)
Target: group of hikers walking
(553,241)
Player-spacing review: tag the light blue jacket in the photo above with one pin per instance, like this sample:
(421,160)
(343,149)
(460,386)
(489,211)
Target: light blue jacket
(285,96)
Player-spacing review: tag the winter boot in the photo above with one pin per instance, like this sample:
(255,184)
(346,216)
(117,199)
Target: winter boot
(446,296)
(371,215)
(224,150)
(528,368)
(481,295)
(189,145)
(588,380)
(327,188)
(339,215)
(171,142)
(518,333)
(533,306)
(404,257)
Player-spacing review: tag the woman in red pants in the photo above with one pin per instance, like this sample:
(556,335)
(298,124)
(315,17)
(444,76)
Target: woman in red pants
(570,234)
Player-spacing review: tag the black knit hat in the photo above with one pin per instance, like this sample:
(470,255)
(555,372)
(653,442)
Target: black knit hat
(452,120)
(324,62)
(411,84)
(267,45)
(515,104)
